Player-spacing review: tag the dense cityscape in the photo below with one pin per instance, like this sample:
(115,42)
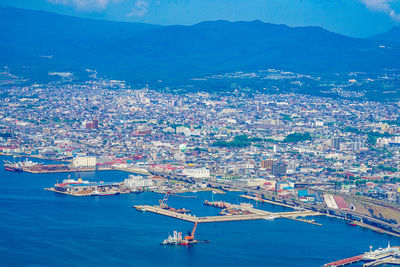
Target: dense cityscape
(277,144)
(199,133)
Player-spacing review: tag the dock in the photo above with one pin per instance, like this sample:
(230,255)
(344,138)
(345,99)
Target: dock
(345,261)
(389,257)
(305,221)
(389,260)
(255,214)
(377,229)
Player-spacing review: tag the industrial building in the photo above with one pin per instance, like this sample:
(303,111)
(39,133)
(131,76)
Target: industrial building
(197,173)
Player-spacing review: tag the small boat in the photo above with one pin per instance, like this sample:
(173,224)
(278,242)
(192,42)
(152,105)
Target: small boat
(352,223)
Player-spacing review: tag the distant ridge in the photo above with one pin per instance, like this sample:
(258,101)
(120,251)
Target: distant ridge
(144,52)
(393,35)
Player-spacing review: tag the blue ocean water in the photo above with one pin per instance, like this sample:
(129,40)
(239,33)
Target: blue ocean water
(42,228)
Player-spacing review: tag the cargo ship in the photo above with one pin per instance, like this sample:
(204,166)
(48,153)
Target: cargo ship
(13,167)
(18,166)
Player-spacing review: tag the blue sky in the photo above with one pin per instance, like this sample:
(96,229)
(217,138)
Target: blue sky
(358,18)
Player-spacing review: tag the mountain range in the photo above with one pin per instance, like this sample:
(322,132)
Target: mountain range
(145,52)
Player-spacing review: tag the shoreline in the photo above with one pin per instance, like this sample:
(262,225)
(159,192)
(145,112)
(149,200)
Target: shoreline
(145,172)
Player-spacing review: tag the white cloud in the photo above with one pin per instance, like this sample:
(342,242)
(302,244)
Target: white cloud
(140,8)
(384,6)
(85,4)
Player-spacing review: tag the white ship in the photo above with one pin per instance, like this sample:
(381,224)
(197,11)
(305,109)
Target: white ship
(380,253)
(174,239)
(72,181)
(105,193)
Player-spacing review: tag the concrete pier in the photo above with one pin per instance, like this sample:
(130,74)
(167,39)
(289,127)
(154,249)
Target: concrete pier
(256,214)
(390,260)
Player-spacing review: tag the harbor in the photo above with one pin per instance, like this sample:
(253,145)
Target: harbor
(131,230)
(251,214)
(181,184)
(228,212)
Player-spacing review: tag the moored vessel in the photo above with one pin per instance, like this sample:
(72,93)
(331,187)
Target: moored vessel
(105,193)
(18,166)
(380,253)
(13,167)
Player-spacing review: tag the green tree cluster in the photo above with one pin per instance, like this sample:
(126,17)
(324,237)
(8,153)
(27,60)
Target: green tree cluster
(297,137)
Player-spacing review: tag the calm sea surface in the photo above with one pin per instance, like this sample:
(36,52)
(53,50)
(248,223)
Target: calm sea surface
(42,228)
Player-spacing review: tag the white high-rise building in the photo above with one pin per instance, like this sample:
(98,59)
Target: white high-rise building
(135,181)
(83,161)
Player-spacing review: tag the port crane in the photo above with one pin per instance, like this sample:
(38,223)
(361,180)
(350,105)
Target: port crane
(163,202)
(190,237)
(164,205)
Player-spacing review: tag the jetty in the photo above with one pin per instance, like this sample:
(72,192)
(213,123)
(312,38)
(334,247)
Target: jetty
(254,214)
(344,262)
